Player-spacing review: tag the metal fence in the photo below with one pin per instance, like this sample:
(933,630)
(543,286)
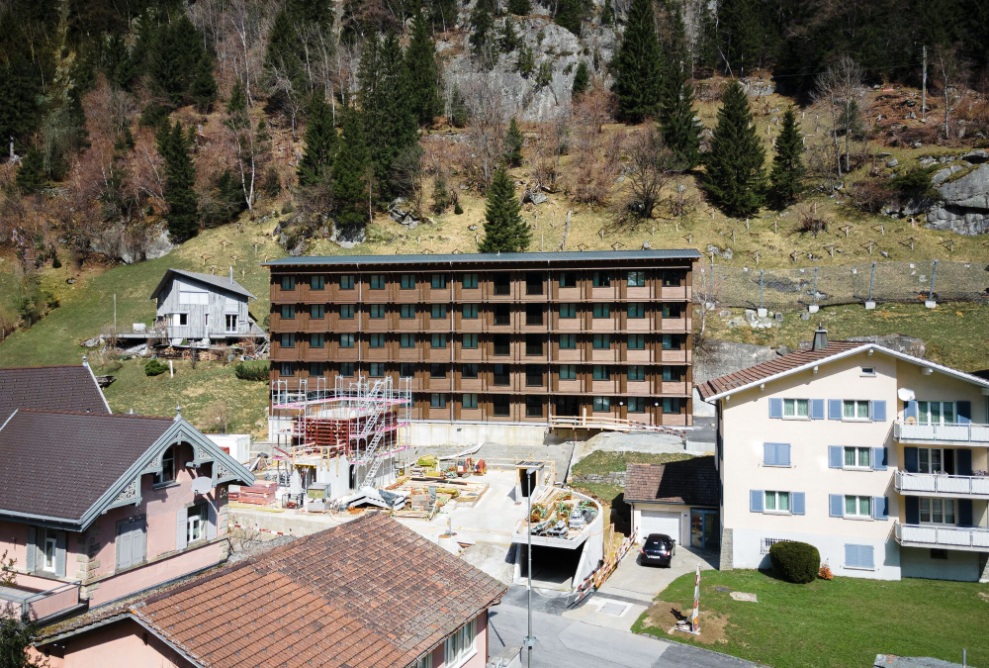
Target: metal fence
(752,287)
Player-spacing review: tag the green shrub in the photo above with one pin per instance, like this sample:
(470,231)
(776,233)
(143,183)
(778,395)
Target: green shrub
(795,561)
(155,367)
(256,371)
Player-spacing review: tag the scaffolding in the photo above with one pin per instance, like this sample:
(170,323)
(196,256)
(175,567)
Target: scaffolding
(357,421)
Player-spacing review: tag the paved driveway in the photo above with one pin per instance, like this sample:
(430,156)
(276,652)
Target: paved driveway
(634,582)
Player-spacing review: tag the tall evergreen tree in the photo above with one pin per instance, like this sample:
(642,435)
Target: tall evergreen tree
(786,177)
(570,14)
(321,143)
(734,179)
(173,61)
(31,174)
(519,7)
(202,89)
(180,177)
(504,229)
(741,35)
(443,14)
(482,32)
(351,168)
(423,72)
(681,130)
(637,65)
(581,80)
(513,145)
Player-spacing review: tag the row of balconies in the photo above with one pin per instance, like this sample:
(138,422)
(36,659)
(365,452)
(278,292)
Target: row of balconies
(965,539)
(516,322)
(517,291)
(616,417)
(518,352)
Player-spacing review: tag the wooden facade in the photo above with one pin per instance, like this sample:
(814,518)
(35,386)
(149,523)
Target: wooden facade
(513,337)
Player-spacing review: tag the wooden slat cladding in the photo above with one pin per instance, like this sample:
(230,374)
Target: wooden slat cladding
(494,340)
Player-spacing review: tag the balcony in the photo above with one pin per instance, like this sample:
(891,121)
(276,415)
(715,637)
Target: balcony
(947,433)
(38,598)
(941,485)
(966,539)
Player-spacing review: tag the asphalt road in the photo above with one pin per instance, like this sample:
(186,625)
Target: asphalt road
(565,643)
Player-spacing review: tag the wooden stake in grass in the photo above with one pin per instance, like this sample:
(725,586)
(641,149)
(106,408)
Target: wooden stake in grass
(869,244)
(846,229)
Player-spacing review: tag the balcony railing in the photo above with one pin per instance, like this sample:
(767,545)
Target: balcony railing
(934,484)
(38,598)
(952,433)
(972,539)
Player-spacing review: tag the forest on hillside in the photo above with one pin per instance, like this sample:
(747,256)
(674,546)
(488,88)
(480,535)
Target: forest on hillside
(130,125)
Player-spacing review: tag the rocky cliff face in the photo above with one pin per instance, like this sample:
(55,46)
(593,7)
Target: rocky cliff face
(502,89)
(964,205)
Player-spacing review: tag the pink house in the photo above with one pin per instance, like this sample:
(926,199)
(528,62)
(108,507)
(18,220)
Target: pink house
(95,507)
(370,592)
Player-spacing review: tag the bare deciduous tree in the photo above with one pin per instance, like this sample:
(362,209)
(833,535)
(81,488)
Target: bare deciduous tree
(649,167)
(840,88)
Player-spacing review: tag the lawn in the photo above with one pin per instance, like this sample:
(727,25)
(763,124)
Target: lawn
(839,623)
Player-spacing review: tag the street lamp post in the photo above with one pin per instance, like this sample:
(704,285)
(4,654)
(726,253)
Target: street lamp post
(529,639)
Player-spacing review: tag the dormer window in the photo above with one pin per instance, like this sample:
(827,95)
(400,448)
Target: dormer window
(168,467)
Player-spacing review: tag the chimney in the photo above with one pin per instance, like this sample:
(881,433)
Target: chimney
(820,338)
(85,361)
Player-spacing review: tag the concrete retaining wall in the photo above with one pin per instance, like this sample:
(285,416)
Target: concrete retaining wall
(471,433)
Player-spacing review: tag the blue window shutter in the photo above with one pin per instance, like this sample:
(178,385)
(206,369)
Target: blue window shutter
(835,456)
(783,454)
(769,454)
(797,503)
(964,512)
(851,555)
(963,462)
(755,500)
(880,508)
(211,521)
(775,408)
(834,409)
(879,459)
(867,556)
(32,550)
(911,460)
(817,409)
(910,411)
(878,411)
(60,540)
(836,505)
(859,556)
(912,504)
(963,411)
(181,528)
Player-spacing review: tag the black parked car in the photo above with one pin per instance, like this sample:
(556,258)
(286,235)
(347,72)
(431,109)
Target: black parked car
(658,549)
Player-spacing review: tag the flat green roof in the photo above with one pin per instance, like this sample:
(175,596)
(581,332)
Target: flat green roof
(487,258)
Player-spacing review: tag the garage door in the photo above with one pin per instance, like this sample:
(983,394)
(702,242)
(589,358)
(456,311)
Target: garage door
(655,521)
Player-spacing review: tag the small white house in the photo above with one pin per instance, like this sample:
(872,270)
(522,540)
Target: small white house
(202,308)
(679,499)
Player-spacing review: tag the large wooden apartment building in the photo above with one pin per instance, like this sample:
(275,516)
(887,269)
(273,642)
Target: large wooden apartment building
(512,337)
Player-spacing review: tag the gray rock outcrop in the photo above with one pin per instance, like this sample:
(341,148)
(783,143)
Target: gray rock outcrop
(964,206)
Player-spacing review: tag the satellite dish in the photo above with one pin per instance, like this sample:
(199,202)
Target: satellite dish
(905,394)
(202,485)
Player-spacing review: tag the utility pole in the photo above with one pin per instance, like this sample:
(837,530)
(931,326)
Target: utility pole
(923,89)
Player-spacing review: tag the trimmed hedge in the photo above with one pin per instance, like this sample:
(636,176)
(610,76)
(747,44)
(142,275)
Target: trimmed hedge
(795,561)
(155,367)
(255,371)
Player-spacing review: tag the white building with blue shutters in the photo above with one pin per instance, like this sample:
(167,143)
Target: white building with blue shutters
(876,457)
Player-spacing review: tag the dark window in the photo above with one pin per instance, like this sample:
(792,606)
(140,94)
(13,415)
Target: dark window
(168,466)
(636,279)
(672,373)
(568,341)
(408,281)
(533,344)
(196,519)
(568,310)
(347,282)
(635,310)
(602,310)
(601,279)
(533,406)
(502,284)
(469,401)
(437,400)
(602,404)
(437,371)
(470,340)
(500,374)
(534,314)
(438,341)
(317,340)
(317,311)
(502,314)
(316,369)
(377,281)
(406,370)
(568,372)
(672,310)
(672,404)
(469,371)
(407,311)
(533,375)
(287,340)
(601,372)
(407,341)
(346,369)
(288,282)
(636,372)
(346,311)
(502,344)
(376,369)
(317,282)
(602,341)
(346,340)
(672,279)
(469,281)
(377,311)
(437,281)
(287,369)
(636,405)
(376,341)
(672,342)
(568,279)
(438,311)
(288,311)
(500,405)
(470,311)
(533,284)
(636,342)
(937,553)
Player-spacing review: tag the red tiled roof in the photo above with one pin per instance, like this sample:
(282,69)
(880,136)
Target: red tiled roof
(782,364)
(50,388)
(370,592)
(692,482)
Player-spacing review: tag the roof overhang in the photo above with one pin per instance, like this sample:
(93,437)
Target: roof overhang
(865,347)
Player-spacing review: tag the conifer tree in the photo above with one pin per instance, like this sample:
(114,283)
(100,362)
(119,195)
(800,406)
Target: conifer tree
(734,179)
(482,31)
(441,196)
(570,14)
(519,7)
(504,229)
(180,177)
(786,177)
(637,65)
(202,89)
(31,174)
(443,14)
(321,142)
(423,72)
(173,61)
(351,169)
(581,79)
(513,145)
(681,130)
